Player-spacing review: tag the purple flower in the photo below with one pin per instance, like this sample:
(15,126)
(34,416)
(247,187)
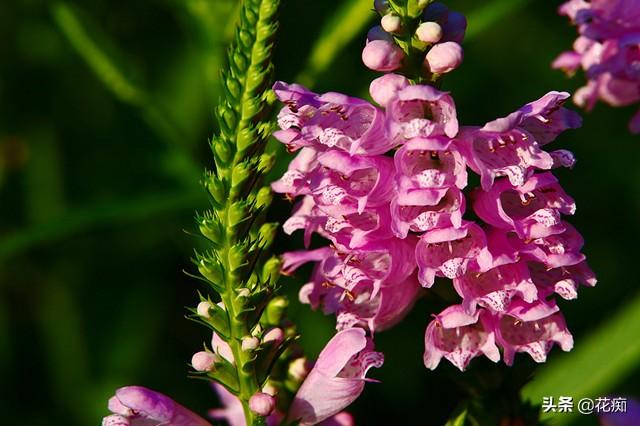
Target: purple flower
(459,337)
(337,378)
(139,406)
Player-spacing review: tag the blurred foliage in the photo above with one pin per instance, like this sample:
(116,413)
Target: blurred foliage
(105,110)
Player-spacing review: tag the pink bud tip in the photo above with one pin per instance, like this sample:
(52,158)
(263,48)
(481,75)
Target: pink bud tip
(203,309)
(262,404)
(391,23)
(274,335)
(249,343)
(203,361)
(444,57)
(381,55)
(384,88)
(429,32)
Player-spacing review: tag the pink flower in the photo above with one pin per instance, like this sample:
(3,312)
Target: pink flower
(139,406)
(337,378)
(421,111)
(451,252)
(608,50)
(384,88)
(459,337)
(531,210)
(328,120)
(496,288)
(532,328)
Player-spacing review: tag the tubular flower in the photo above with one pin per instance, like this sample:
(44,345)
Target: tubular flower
(337,378)
(608,51)
(139,406)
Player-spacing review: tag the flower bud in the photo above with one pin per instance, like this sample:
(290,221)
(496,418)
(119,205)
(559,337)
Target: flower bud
(377,33)
(444,57)
(203,309)
(203,361)
(270,389)
(391,23)
(249,343)
(381,6)
(435,12)
(384,88)
(429,32)
(380,55)
(244,292)
(262,404)
(274,335)
(298,369)
(455,27)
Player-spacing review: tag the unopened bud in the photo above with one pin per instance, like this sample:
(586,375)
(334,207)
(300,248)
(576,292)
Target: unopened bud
(381,55)
(455,27)
(435,12)
(262,404)
(298,369)
(391,23)
(244,292)
(377,33)
(384,88)
(249,343)
(274,335)
(444,57)
(381,6)
(429,32)
(203,361)
(203,309)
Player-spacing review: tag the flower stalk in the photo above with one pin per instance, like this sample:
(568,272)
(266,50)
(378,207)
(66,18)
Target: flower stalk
(234,267)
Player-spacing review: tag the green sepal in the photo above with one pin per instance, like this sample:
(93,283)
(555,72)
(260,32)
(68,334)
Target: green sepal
(264,197)
(240,173)
(266,162)
(274,312)
(225,373)
(267,233)
(219,320)
(210,226)
(238,213)
(211,269)
(268,356)
(216,188)
(271,270)
(238,256)
(246,137)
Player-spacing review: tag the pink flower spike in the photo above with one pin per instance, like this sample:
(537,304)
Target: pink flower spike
(337,378)
(139,406)
(459,337)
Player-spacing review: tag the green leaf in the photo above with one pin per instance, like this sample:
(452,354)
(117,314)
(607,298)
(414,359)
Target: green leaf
(595,366)
(348,22)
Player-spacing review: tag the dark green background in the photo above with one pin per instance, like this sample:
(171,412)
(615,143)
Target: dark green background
(95,193)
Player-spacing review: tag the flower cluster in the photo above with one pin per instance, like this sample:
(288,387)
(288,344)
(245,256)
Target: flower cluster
(608,50)
(388,187)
